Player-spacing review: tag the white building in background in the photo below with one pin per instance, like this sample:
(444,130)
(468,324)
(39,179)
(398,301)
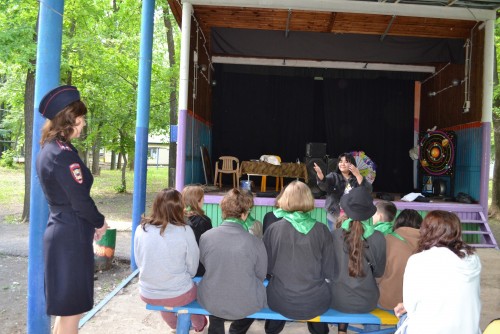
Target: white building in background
(158,150)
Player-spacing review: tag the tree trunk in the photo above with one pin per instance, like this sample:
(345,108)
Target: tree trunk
(172,152)
(83,153)
(29,102)
(131,157)
(96,148)
(96,151)
(113,160)
(119,162)
(124,173)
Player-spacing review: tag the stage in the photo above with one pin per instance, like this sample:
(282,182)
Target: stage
(475,229)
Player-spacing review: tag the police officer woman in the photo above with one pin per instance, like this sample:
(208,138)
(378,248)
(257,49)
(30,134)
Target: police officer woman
(74,220)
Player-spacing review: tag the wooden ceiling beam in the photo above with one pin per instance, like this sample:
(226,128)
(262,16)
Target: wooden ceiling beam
(331,22)
(367,7)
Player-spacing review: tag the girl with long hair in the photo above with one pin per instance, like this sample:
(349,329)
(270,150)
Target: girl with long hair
(441,284)
(193,196)
(167,256)
(359,255)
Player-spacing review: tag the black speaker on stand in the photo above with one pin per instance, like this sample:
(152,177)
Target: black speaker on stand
(315,150)
(311,174)
(331,164)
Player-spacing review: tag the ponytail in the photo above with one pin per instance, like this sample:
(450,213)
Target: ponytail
(355,246)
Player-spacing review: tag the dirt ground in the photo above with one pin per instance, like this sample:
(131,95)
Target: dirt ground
(125,313)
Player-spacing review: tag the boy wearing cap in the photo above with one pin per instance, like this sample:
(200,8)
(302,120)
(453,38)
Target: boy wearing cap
(74,220)
(359,255)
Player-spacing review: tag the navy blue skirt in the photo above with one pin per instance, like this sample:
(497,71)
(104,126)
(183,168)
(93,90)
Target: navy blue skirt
(69,265)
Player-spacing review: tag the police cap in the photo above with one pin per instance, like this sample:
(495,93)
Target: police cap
(57,99)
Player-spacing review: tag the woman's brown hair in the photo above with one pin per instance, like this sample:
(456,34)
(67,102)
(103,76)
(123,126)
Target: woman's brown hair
(443,229)
(235,203)
(61,127)
(168,208)
(408,218)
(353,240)
(192,195)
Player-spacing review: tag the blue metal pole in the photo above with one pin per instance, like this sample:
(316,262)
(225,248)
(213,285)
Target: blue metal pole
(142,126)
(47,77)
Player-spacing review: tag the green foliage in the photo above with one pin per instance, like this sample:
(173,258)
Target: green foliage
(100,55)
(120,189)
(7,159)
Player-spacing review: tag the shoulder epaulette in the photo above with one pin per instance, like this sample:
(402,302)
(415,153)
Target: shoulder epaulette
(63,145)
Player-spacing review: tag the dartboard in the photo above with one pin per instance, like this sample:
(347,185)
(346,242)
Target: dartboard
(437,152)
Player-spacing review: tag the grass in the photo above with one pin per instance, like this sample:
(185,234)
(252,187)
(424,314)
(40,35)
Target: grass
(115,206)
(12,187)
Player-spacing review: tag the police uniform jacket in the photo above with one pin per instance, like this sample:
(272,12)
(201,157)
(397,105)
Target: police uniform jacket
(73,218)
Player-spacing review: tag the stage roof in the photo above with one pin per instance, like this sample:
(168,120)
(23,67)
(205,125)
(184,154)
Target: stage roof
(417,18)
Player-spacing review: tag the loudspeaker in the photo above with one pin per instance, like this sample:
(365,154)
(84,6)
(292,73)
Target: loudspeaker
(331,165)
(311,174)
(315,150)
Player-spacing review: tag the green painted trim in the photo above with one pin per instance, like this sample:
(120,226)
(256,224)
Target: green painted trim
(213,211)
(259,211)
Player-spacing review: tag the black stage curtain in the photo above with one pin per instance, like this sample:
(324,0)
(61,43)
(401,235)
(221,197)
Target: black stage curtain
(257,114)
(336,47)
(375,116)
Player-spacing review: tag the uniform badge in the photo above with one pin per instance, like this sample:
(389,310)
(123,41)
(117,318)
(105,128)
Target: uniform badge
(76,172)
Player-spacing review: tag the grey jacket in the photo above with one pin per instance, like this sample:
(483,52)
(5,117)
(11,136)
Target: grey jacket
(299,264)
(357,294)
(235,267)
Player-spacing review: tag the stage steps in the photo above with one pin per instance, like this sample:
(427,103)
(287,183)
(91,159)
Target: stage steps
(477,232)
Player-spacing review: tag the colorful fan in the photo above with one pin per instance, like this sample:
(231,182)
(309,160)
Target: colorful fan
(366,166)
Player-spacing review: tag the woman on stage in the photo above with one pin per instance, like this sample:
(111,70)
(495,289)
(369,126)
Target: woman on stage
(338,183)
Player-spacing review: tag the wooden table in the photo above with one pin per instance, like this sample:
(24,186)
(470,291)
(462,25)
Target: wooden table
(286,169)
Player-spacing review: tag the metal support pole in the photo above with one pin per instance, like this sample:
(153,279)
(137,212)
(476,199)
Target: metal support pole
(488,68)
(48,63)
(142,120)
(187,9)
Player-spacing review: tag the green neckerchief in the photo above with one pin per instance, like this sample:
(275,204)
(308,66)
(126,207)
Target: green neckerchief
(249,221)
(394,234)
(280,213)
(301,221)
(367,227)
(188,209)
(237,221)
(384,227)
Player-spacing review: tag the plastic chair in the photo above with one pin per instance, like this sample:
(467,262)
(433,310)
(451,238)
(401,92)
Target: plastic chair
(279,180)
(228,167)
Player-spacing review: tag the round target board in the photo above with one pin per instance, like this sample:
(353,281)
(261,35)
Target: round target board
(437,152)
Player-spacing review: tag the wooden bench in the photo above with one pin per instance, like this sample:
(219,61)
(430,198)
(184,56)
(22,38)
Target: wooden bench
(376,317)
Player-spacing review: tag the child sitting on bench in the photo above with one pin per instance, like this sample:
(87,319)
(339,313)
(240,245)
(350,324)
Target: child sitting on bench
(382,219)
(359,255)
(167,255)
(235,267)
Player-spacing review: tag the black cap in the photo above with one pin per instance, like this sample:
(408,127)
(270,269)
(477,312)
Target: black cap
(358,204)
(58,99)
